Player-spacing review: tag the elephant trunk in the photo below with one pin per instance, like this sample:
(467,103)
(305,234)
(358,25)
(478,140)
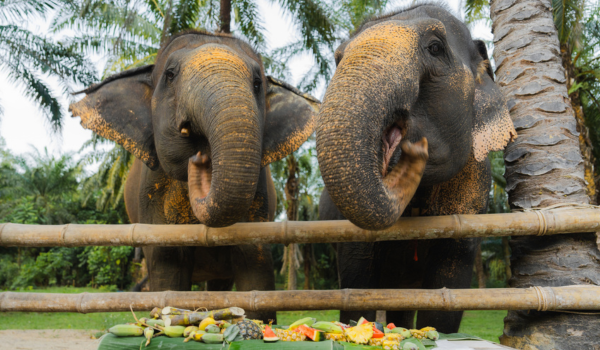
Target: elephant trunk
(222,185)
(361,124)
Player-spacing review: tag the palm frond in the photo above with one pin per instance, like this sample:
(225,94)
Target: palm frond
(20,10)
(246,16)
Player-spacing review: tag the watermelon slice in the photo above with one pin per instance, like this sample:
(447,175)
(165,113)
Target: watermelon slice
(311,333)
(377,333)
(361,320)
(391,326)
(269,335)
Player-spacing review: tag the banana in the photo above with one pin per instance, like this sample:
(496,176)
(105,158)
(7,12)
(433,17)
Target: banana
(126,330)
(212,328)
(205,322)
(307,321)
(174,331)
(197,336)
(153,322)
(148,333)
(212,338)
(327,327)
(188,330)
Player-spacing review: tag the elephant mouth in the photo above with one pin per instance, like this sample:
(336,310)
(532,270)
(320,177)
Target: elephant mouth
(200,170)
(390,141)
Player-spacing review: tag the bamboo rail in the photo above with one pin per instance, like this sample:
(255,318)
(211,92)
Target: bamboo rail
(537,298)
(549,222)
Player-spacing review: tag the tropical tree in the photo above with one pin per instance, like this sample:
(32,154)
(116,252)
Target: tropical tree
(27,57)
(544,167)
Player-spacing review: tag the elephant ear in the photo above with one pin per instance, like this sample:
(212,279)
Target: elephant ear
(492,127)
(290,120)
(119,109)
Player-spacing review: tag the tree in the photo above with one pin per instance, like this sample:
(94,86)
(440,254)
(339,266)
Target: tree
(27,56)
(544,166)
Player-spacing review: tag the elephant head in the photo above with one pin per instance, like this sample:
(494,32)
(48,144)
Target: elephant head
(204,112)
(412,99)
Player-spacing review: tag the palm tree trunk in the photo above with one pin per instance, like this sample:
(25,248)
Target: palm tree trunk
(225,16)
(544,166)
(306,253)
(585,143)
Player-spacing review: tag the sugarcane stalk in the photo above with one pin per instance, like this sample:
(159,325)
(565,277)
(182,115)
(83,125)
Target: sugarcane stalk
(192,317)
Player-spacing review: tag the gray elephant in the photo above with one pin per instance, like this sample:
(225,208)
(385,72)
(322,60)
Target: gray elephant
(404,130)
(204,122)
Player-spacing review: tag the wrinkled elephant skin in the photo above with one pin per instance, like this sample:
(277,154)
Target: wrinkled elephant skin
(404,129)
(204,122)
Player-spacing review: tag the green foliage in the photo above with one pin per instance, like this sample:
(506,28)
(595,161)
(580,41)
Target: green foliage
(43,189)
(27,57)
(108,265)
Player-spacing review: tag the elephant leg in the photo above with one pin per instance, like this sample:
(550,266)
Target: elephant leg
(221,285)
(253,270)
(358,268)
(170,268)
(450,265)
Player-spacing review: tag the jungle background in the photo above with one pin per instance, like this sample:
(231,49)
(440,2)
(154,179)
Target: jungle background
(86,186)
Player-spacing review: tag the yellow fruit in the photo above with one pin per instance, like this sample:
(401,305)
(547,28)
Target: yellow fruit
(287,335)
(126,330)
(376,341)
(394,337)
(417,333)
(359,334)
(427,329)
(335,336)
(390,345)
(205,322)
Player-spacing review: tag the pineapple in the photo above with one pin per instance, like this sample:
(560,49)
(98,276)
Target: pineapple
(427,329)
(390,345)
(394,337)
(335,336)
(249,330)
(287,335)
(360,334)
(419,334)
(376,341)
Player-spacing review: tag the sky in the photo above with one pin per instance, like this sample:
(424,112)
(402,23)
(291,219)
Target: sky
(23,126)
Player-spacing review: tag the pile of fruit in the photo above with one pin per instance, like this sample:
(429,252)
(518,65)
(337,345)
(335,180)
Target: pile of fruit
(212,327)
(363,332)
(228,325)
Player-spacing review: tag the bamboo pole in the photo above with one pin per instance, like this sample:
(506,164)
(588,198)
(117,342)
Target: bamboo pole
(549,222)
(536,298)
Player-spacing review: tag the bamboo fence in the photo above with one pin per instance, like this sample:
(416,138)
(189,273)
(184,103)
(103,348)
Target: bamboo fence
(536,298)
(548,222)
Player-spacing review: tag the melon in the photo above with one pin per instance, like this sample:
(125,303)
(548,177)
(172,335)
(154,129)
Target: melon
(391,326)
(269,336)
(377,333)
(311,333)
(361,321)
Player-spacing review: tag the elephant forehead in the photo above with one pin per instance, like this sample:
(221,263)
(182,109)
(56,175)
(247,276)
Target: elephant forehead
(385,41)
(217,57)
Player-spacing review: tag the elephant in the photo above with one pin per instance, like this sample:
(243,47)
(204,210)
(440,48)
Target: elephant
(204,123)
(404,129)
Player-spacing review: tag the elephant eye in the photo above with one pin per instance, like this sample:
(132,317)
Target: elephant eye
(170,74)
(435,49)
(257,84)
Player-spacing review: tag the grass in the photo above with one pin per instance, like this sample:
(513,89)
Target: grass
(484,324)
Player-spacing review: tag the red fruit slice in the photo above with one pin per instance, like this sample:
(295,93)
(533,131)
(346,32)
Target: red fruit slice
(269,335)
(390,326)
(311,333)
(377,333)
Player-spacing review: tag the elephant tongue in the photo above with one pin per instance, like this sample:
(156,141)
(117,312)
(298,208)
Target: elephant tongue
(200,175)
(391,140)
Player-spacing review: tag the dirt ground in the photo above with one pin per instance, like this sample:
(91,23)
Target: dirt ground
(60,339)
